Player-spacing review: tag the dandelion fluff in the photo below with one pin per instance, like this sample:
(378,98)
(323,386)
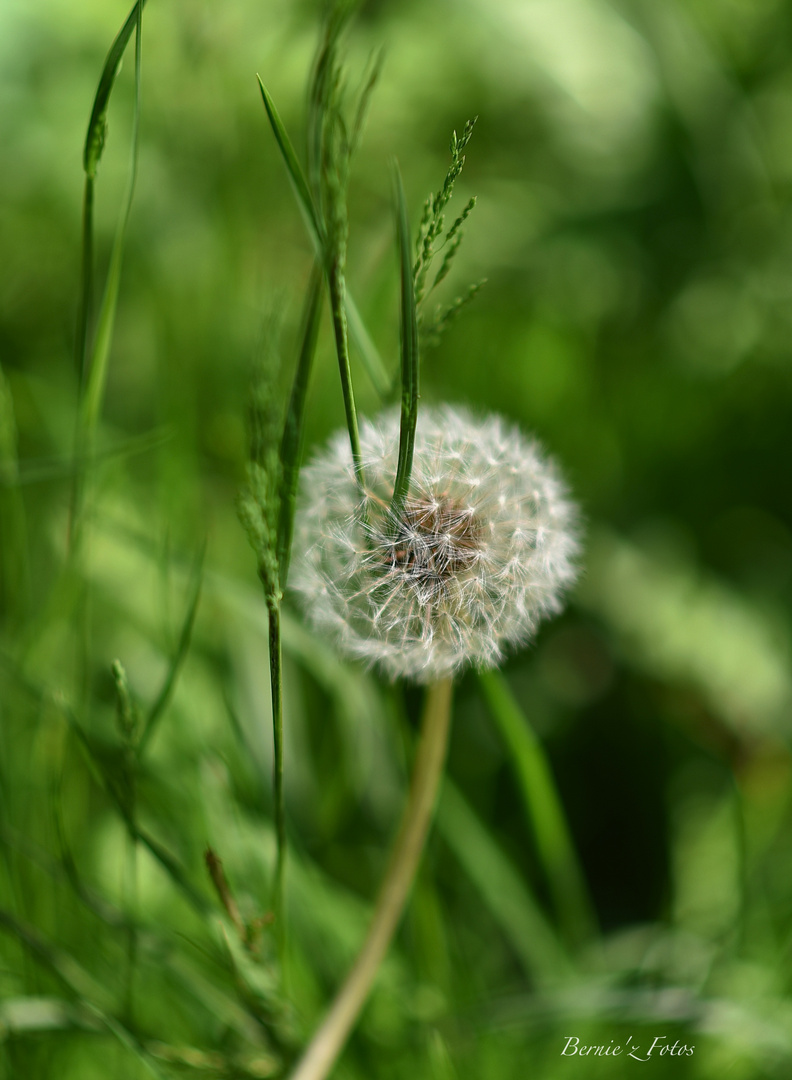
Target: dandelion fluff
(482,550)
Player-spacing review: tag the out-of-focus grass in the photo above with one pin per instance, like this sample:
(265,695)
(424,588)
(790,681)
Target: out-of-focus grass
(632,166)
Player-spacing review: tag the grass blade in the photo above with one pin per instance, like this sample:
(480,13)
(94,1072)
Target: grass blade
(368,351)
(543,809)
(276,691)
(14,548)
(78,981)
(183,647)
(108,785)
(93,368)
(97,369)
(409,356)
(296,175)
(332,254)
(92,153)
(337,287)
(502,889)
(97,125)
(369,355)
(292,441)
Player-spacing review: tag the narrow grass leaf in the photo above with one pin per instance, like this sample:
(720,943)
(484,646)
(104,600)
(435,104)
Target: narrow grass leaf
(97,369)
(409,355)
(502,889)
(364,100)
(77,980)
(60,869)
(334,269)
(292,440)
(174,870)
(185,637)
(276,692)
(92,153)
(543,808)
(14,547)
(296,175)
(369,354)
(97,125)
(368,351)
(43,469)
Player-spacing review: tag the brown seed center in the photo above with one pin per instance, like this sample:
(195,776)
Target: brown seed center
(435,539)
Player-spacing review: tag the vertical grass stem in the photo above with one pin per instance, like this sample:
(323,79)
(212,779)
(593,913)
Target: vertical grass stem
(276,687)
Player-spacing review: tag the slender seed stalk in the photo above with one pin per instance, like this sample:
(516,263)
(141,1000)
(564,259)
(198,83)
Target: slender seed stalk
(329,1040)
(86,279)
(129,731)
(131,906)
(276,684)
(292,436)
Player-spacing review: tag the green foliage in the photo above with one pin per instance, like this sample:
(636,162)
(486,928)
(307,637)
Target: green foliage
(633,225)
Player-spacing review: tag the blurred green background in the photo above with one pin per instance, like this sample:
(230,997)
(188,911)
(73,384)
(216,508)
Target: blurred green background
(633,166)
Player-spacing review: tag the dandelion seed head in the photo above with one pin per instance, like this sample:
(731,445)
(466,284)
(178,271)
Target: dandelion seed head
(482,550)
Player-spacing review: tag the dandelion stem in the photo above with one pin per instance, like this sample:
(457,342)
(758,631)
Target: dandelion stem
(329,1040)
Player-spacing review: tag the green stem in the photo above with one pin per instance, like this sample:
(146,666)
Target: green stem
(409,358)
(336,286)
(81,355)
(86,277)
(329,1040)
(276,685)
(292,438)
(131,908)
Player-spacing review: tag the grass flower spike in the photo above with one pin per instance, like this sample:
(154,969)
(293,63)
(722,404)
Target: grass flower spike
(482,549)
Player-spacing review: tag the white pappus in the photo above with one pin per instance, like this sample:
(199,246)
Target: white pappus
(482,550)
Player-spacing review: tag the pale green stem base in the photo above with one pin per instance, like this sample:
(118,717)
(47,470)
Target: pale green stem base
(329,1040)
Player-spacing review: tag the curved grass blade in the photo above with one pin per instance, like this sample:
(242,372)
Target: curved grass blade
(183,647)
(97,125)
(501,888)
(368,351)
(543,809)
(276,693)
(79,982)
(372,361)
(336,284)
(92,153)
(97,369)
(108,785)
(292,440)
(409,356)
(333,263)
(296,175)
(43,469)
(93,368)
(14,546)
